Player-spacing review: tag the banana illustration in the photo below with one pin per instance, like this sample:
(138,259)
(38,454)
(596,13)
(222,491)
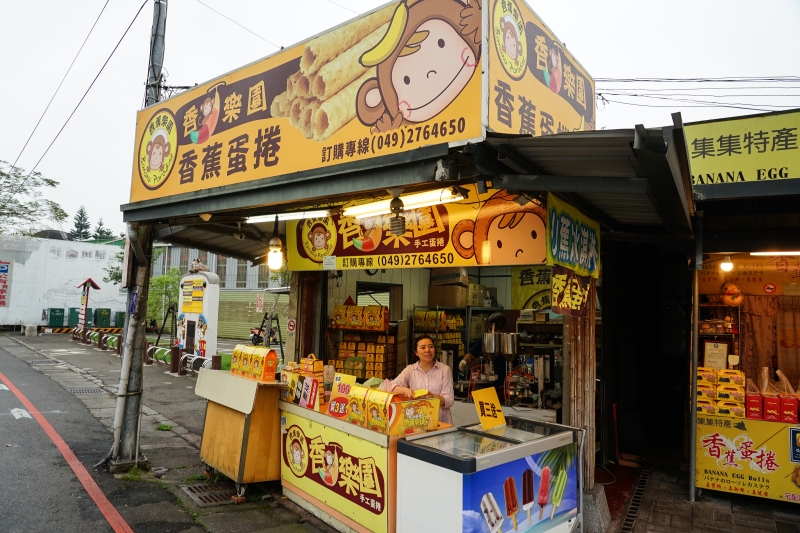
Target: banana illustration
(582,126)
(388,44)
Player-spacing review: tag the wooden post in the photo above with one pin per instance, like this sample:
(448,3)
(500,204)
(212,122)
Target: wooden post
(119,344)
(174,359)
(216,362)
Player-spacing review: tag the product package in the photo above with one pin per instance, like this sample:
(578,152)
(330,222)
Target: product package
(753,401)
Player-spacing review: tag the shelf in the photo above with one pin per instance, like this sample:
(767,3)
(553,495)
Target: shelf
(364,330)
(720,305)
(718,334)
(535,345)
(457,330)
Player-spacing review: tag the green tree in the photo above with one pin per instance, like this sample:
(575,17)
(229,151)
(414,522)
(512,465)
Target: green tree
(164,291)
(23,210)
(101,232)
(81,226)
(114,270)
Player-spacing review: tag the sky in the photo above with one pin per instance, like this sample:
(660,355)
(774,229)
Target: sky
(92,159)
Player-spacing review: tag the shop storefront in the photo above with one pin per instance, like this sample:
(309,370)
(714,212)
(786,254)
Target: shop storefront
(398,218)
(746,317)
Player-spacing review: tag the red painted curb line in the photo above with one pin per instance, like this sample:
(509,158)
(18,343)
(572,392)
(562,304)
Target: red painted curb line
(110,513)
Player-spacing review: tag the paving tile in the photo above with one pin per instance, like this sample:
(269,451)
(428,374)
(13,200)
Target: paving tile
(786,527)
(754,526)
(786,516)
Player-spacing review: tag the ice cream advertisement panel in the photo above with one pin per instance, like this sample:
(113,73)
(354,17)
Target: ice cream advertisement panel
(399,78)
(536,87)
(497,227)
(527,495)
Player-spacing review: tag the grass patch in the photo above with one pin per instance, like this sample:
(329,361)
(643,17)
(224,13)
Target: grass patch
(202,478)
(225,363)
(164,427)
(134,474)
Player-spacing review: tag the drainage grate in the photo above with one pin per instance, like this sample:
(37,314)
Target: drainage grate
(206,495)
(41,362)
(87,391)
(636,501)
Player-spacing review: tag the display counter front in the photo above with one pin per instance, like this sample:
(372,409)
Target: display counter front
(752,457)
(342,473)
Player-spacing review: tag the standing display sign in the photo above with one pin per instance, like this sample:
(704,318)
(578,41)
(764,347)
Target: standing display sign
(493,228)
(745,149)
(5,283)
(751,457)
(490,411)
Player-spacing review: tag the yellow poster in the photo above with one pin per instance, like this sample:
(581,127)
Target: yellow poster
(342,471)
(751,457)
(490,412)
(405,76)
(530,287)
(192,295)
(757,148)
(536,86)
(494,228)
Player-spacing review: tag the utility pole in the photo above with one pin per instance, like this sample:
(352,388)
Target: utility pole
(127,418)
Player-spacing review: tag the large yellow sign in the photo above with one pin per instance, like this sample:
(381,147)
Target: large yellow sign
(751,457)
(536,86)
(344,472)
(758,148)
(405,76)
(757,275)
(494,228)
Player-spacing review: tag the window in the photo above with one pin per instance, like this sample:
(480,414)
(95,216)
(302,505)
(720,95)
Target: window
(241,273)
(166,256)
(202,257)
(222,268)
(184,261)
(263,276)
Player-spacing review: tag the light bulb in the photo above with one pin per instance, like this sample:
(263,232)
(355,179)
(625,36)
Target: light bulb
(275,259)
(726,264)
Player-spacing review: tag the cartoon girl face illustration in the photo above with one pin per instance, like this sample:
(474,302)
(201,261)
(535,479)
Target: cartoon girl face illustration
(424,61)
(509,229)
(511,43)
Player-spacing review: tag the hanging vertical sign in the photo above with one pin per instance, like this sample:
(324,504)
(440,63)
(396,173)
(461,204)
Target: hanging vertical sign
(5,283)
(573,239)
(569,292)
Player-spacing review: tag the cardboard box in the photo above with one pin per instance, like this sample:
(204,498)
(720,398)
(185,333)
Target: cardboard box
(370,347)
(370,357)
(380,349)
(707,407)
(754,404)
(381,339)
(730,393)
(772,408)
(706,392)
(731,409)
(476,327)
(379,357)
(447,296)
(376,317)
(706,373)
(475,294)
(788,409)
(340,316)
(413,416)
(355,317)
(357,406)
(450,276)
(729,377)
(236,358)
(361,346)
(311,364)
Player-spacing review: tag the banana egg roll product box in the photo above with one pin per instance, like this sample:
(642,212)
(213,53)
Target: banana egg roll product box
(357,405)
(376,317)
(755,406)
(706,391)
(707,407)
(413,416)
(706,374)
(269,365)
(355,317)
(236,358)
(420,320)
(378,410)
(340,316)
(246,361)
(730,377)
(772,408)
(788,409)
(730,393)
(731,409)
(257,363)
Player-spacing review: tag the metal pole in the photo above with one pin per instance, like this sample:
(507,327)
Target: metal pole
(156,52)
(697,267)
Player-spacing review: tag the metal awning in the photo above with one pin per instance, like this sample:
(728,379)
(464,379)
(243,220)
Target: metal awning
(635,182)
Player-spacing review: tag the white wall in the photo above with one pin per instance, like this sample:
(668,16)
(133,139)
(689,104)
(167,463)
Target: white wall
(45,273)
(414,281)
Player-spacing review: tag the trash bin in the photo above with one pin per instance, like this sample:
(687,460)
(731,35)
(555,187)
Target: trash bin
(56,319)
(102,318)
(119,319)
(74,316)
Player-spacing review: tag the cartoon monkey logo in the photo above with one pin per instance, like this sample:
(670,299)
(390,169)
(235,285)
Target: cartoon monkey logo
(157,150)
(510,229)
(424,61)
(318,236)
(510,41)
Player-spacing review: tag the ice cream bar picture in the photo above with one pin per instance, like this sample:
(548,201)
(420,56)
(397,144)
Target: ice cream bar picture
(527,492)
(558,490)
(491,512)
(544,490)
(512,503)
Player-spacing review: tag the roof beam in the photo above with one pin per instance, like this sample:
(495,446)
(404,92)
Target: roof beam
(189,243)
(166,232)
(571,184)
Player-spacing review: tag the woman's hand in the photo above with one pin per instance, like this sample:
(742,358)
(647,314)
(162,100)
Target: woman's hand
(404,391)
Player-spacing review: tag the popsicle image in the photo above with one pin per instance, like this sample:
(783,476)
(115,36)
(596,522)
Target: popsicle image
(527,492)
(512,503)
(491,512)
(558,490)
(544,490)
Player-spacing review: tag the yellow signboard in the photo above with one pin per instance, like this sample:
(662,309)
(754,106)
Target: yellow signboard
(490,412)
(573,239)
(530,287)
(536,86)
(494,228)
(758,148)
(344,472)
(192,295)
(402,77)
(755,275)
(751,457)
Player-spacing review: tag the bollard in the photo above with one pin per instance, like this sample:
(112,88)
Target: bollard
(174,359)
(101,340)
(216,362)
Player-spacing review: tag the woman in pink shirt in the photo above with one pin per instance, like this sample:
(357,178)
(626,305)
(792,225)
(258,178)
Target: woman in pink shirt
(428,374)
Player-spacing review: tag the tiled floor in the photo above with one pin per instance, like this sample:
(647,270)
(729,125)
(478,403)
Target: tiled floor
(666,509)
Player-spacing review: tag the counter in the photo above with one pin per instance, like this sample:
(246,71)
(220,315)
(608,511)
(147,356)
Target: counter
(752,457)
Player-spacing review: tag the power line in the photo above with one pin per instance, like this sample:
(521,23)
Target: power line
(733,79)
(684,105)
(243,27)
(59,85)
(650,89)
(690,100)
(81,100)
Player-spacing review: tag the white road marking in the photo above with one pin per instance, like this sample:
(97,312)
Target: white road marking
(28,413)
(3,387)
(20,413)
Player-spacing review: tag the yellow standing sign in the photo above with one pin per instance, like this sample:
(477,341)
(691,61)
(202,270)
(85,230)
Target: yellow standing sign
(490,412)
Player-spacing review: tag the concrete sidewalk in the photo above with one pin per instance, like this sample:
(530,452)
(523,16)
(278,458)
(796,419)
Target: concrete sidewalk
(168,399)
